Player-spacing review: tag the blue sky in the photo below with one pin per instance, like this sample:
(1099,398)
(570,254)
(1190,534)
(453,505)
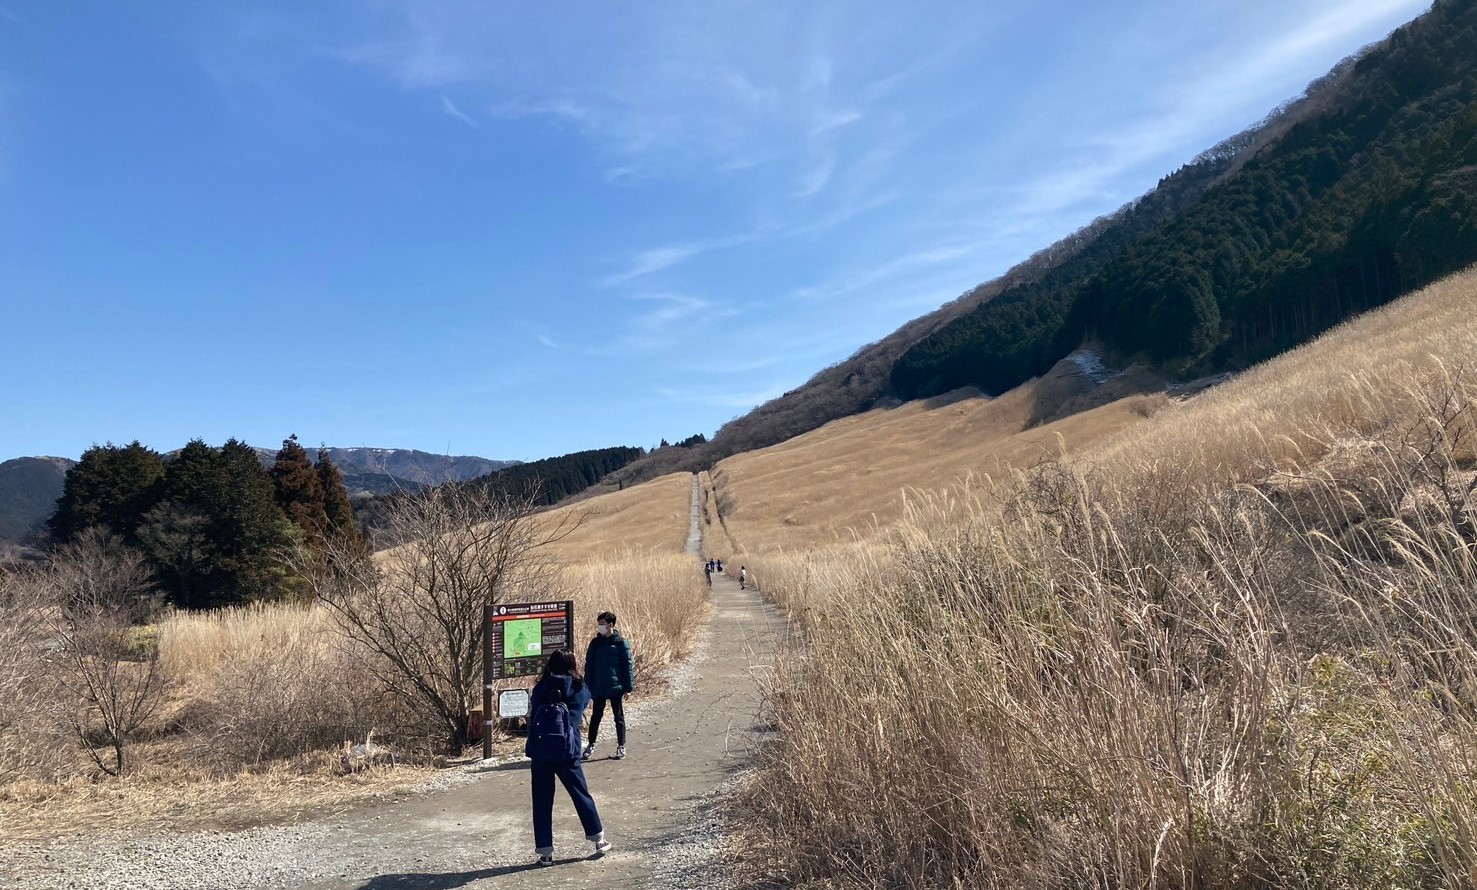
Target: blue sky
(518,230)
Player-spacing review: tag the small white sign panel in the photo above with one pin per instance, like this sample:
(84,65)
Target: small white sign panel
(512,703)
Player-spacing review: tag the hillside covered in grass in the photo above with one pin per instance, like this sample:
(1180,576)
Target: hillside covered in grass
(1231,645)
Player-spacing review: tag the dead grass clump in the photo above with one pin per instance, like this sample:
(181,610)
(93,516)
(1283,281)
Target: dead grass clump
(32,742)
(1134,678)
(273,681)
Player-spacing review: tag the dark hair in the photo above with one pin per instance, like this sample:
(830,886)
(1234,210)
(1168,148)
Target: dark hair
(563,662)
(607,617)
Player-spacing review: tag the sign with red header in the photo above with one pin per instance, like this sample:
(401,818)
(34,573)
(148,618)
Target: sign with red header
(524,635)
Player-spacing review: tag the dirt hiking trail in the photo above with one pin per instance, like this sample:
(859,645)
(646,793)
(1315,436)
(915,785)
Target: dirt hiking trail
(659,805)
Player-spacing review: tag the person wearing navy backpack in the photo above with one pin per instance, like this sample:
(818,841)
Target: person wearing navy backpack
(555,708)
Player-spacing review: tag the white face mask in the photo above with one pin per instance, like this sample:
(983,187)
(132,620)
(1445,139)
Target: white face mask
(604,630)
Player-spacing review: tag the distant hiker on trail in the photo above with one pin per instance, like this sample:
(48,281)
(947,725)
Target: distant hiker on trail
(608,667)
(743,578)
(555,707)
(708,571)
(720,566)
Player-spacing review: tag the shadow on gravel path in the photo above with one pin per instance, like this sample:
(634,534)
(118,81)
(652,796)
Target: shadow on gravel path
(446,881)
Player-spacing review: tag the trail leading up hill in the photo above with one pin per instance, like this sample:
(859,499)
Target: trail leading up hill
(658,805)
(695,529)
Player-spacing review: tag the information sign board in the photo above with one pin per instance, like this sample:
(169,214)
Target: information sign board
(523,635)
(512,703)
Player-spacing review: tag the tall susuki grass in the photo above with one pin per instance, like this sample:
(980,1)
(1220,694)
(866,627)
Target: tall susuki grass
(1237,650)
(659,599)
(272,681)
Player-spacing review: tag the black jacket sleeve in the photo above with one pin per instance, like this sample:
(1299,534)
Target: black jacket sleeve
(627,668)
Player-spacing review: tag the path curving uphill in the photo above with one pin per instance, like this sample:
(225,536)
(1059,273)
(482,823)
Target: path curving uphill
(659,806)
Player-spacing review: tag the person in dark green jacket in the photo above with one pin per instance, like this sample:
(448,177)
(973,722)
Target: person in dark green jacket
(608,674)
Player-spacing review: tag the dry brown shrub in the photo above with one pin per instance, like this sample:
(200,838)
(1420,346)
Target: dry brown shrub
(32,742)
(271,681)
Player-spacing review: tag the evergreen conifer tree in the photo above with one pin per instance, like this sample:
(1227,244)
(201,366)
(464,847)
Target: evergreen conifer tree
(299,492)
(112,486)
(181,533)
(337,509)
(253,532)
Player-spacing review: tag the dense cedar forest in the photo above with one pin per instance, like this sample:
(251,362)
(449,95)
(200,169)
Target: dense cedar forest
(553,479)
(1370,196)
(213,523)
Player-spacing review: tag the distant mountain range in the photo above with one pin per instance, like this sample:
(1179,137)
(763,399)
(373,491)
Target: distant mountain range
(30,486)
(386,470)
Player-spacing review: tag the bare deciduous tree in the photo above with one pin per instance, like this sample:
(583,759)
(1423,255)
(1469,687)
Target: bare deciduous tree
(99,591)
(418,606)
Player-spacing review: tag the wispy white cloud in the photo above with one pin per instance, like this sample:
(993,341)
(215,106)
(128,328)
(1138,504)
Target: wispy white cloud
(450,108)
(665,322)
(816,178)
(655,260)
(835,120)
(719,397)
(564,110)
(547,341)
(736,365)
(670,308)
(854,281)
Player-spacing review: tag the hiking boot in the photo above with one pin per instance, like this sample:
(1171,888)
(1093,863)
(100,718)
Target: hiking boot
(620,751)
(545,859)
(589,752)
(601,846)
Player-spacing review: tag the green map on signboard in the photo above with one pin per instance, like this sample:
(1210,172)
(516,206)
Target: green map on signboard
(523,637)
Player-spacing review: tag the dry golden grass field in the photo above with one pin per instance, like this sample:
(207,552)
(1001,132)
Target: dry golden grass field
(855,475)
(651,518)
(1287,412)
(1232,644)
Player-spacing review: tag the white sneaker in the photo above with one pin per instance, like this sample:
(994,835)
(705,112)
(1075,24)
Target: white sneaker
(589,751)
(545,859)
(601,846)
(620,751)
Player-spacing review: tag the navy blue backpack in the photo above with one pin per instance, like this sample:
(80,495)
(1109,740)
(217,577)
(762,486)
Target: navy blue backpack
(552,734)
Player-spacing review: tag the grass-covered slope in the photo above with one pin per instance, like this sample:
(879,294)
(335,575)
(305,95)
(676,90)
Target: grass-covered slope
(1233,646)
